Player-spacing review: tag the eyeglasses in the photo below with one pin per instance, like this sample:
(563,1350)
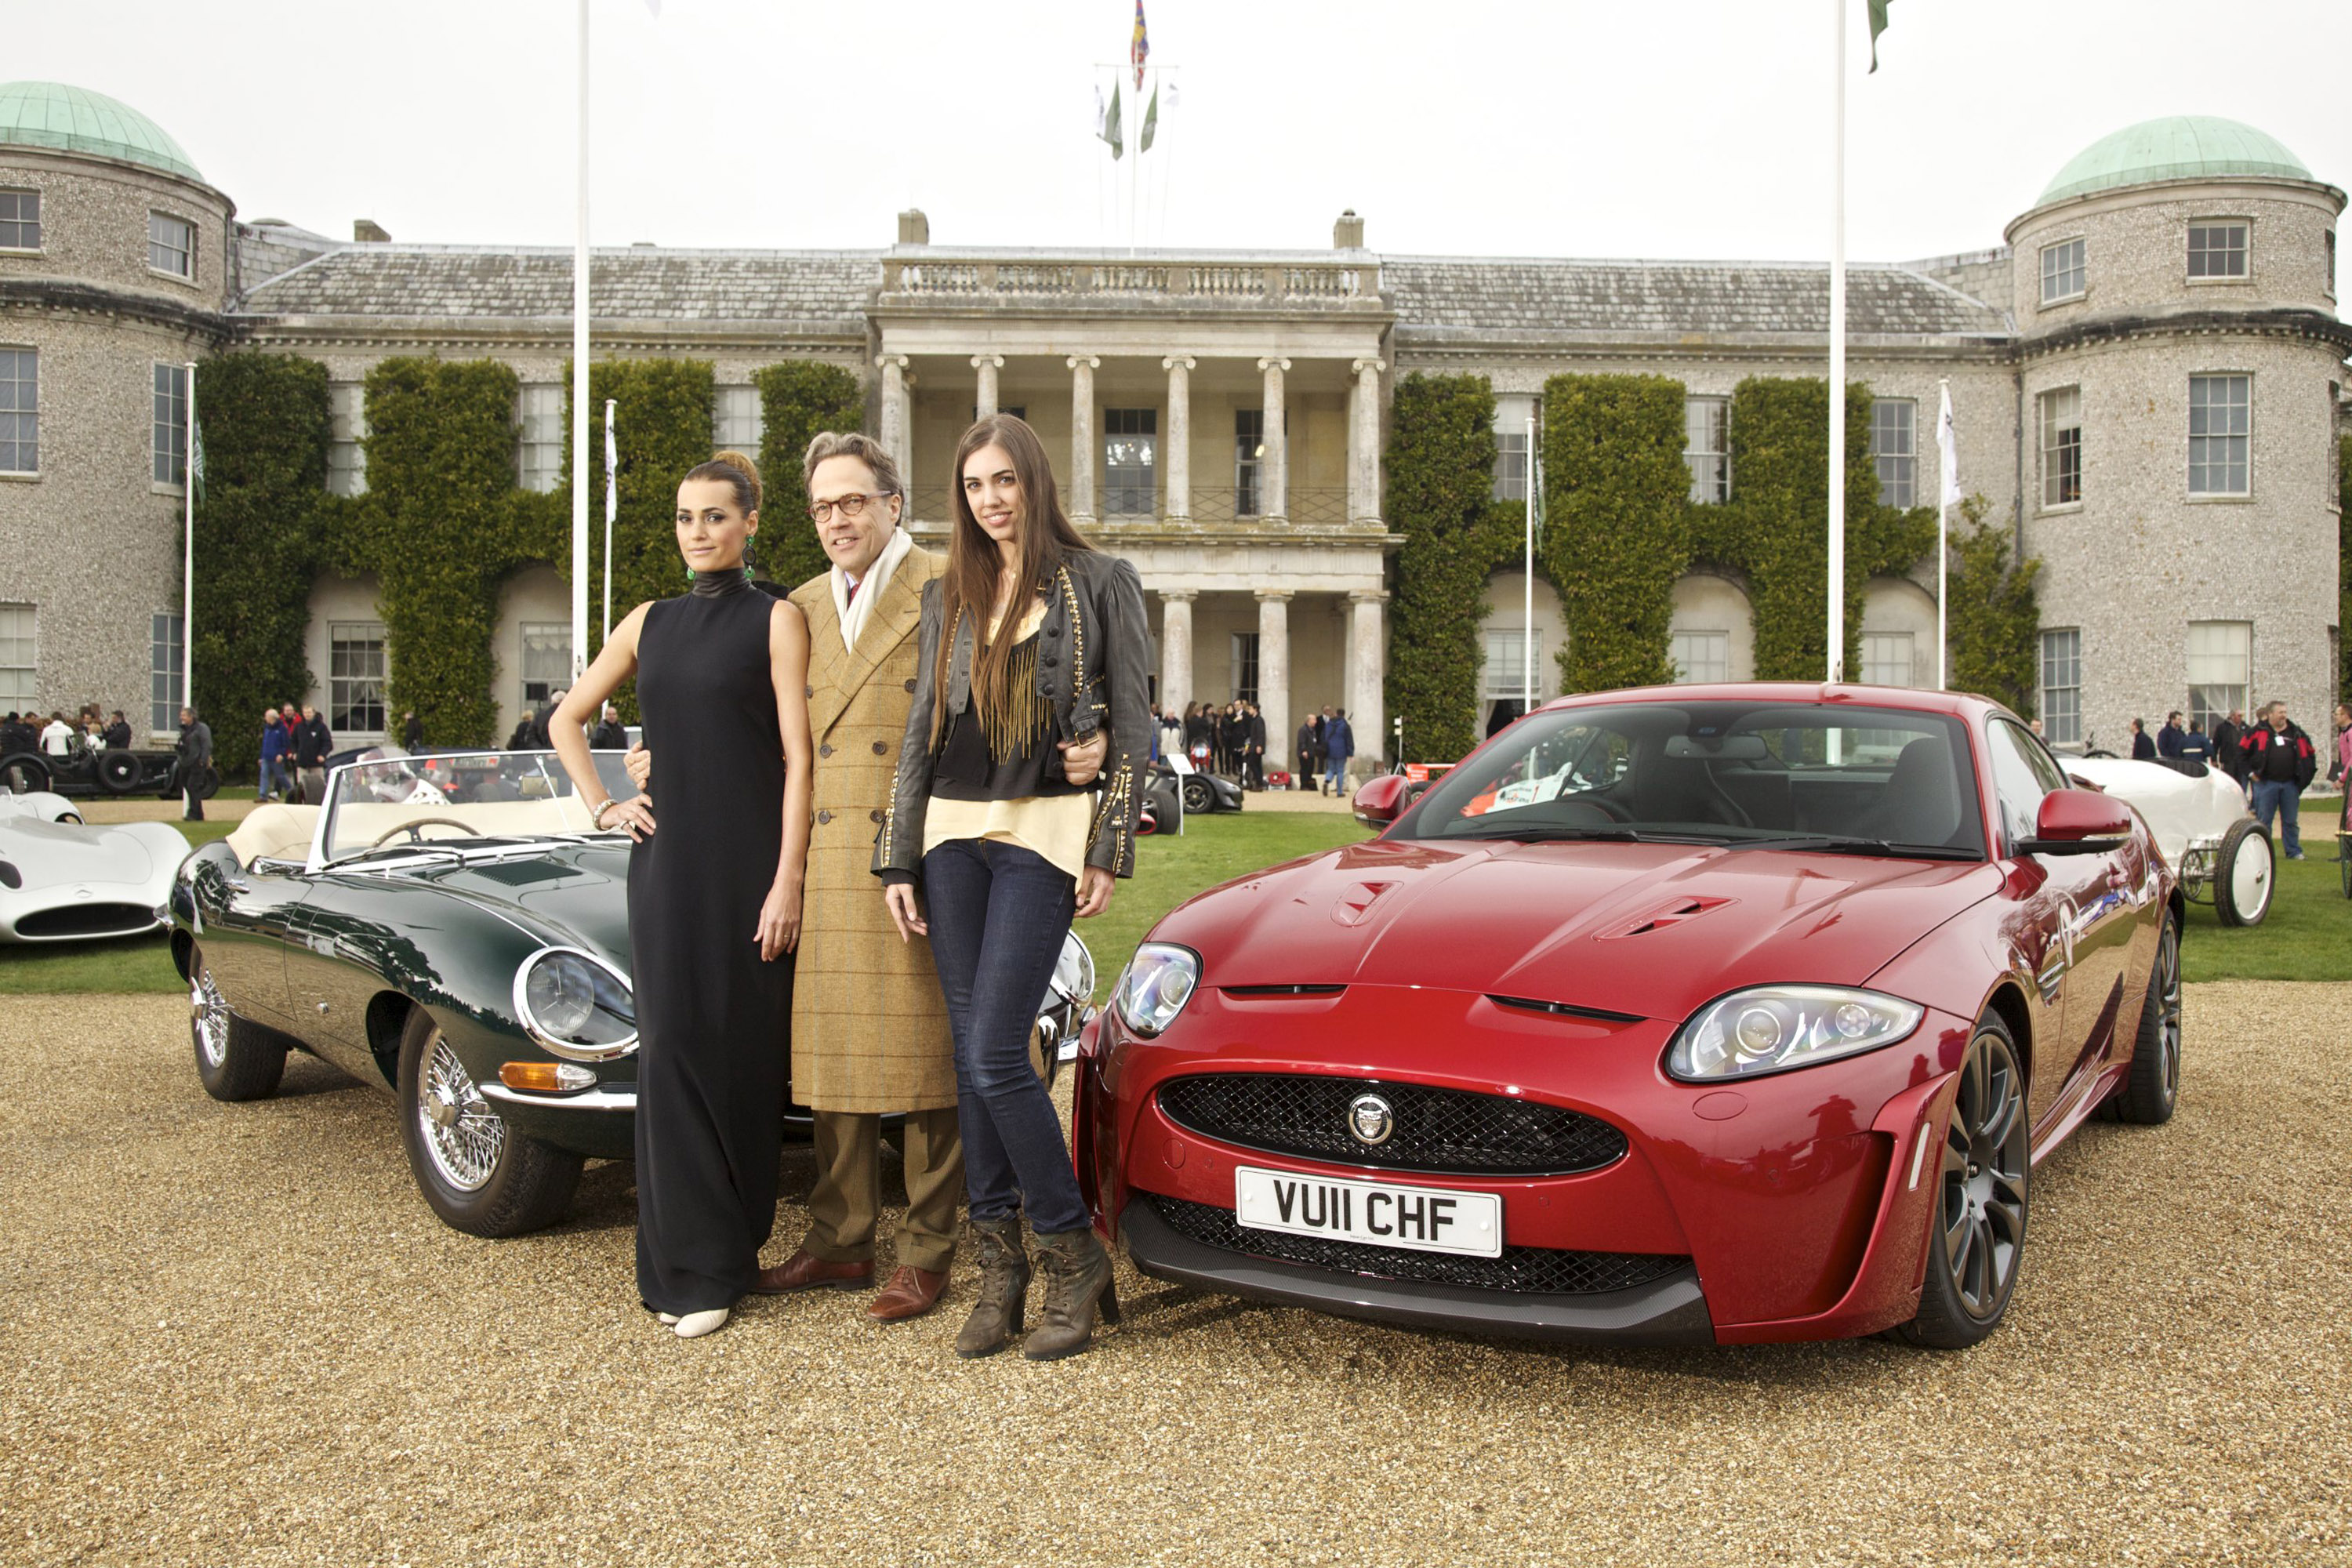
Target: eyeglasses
(852,506)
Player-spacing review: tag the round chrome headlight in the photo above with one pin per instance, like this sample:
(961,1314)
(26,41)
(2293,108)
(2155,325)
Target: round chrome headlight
(575,1005)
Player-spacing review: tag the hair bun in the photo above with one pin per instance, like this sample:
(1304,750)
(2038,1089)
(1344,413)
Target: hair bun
(745,467)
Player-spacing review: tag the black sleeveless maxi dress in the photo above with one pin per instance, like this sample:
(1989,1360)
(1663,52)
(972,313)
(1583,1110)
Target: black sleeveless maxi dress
(713,1022)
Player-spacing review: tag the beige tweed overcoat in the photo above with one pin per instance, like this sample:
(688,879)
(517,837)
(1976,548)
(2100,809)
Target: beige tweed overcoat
(869,1028)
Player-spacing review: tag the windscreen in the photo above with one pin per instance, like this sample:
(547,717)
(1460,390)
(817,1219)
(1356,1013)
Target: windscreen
(1739,774)
(387,799)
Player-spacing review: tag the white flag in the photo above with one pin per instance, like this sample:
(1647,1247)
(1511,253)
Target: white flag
(611,467)
(1948,452)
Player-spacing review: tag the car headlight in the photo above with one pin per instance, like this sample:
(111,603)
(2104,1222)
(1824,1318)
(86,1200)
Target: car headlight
(575,1005)
(1773,1028)
(1155,985)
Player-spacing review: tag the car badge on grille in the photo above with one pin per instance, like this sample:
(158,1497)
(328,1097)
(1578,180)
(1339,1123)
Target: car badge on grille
(1369,1119)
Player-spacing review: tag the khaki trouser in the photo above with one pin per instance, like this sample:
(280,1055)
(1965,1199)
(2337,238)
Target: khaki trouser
(848,1196)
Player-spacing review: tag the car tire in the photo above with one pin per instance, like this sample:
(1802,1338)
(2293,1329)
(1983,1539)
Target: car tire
(2242,893)
(1976,1239)
(25,773)
(1200,797)
(236,1058)
(2153,1087)
(477,1173)
(117,773)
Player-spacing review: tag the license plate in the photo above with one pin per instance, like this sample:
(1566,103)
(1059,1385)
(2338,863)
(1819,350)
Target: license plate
(1377,1213)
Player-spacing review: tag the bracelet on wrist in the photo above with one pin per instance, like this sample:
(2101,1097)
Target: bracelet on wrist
(597,818)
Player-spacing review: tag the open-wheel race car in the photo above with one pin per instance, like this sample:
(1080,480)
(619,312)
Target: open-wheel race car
(2199,815)
(450,928)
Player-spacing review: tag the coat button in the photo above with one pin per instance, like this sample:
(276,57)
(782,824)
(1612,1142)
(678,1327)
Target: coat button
(911,686)
(874,816)
(825,750)
(881,749)
(1052,659)
(825,817)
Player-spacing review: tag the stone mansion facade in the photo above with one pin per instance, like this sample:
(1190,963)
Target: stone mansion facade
(2146,377)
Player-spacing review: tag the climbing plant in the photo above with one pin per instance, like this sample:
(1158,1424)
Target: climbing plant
(264,446)
(1440,470)
(2344,568)
(798,399)
(1994,613)
(1617,528)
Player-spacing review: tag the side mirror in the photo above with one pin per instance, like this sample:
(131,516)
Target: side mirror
(2077,821)
(1381,800)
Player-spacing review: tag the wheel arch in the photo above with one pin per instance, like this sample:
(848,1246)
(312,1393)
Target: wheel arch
(184,953)
(2008,1003)
(387,1021)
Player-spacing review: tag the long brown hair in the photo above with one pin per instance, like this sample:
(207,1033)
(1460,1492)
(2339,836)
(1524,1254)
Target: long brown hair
(974,563)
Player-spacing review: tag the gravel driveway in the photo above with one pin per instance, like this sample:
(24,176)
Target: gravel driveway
(234,1334)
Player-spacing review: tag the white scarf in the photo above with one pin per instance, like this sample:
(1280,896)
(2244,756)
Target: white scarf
(854,613)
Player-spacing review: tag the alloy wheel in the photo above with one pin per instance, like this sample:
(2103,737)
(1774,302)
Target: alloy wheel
(462,1134)
(1985,1156)
(2167,1000)
(208,1016)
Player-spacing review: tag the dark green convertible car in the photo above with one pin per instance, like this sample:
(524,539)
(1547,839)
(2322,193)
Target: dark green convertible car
(451,929)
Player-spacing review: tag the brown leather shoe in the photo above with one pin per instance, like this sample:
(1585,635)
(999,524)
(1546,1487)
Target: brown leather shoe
(910,1293)
(804,1270)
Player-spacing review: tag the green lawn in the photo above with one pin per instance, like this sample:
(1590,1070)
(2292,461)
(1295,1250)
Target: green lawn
(2308,935)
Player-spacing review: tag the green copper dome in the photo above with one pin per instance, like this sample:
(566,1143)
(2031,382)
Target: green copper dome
(2179,147)
(75,120)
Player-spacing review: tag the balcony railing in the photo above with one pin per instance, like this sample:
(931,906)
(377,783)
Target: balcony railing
(1220,505)
(951,279)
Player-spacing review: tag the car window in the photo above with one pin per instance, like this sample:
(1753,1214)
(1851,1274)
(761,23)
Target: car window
(2023,773)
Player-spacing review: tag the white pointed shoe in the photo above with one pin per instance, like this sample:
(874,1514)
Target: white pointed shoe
(694,1325)
(666,1319)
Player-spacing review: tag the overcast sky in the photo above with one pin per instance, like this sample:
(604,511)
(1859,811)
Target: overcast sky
(1596,128)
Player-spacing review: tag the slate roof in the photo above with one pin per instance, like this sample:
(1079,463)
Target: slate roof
(808,287)
(1451,298)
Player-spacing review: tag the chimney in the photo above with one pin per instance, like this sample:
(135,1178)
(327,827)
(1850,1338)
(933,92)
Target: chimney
(367,231)
(1348,234)
(914,228)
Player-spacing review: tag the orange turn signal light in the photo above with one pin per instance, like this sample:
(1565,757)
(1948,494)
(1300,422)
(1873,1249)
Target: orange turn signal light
(546,1078)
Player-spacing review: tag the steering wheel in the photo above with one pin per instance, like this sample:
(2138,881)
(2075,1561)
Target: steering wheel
(1607,807)
(416,837)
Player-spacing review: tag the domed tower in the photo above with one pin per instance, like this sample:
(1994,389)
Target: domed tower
(115,259)
(2180,363)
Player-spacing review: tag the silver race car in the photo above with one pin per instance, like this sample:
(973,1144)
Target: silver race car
(63,881)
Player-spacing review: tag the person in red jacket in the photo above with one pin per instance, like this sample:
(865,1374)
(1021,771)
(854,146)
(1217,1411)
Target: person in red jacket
(2280,760)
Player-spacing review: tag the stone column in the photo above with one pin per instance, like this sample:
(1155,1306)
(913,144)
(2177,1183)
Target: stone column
(1083,454)
(1367,676)
(1274,469)
(1364,444)
(984,403)
(1274,671)
(1176,450)
(898,426)
(1176,649)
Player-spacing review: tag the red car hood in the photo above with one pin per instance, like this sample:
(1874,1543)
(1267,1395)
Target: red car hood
(1654,929)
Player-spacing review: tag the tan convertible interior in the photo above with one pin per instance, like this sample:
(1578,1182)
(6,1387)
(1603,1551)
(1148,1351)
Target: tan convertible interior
(277,832)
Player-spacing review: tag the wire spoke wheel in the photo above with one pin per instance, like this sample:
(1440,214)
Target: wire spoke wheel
(208,1018)
(1981,1223)
(463,1136)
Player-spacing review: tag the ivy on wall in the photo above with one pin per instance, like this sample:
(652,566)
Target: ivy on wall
(1617,524)
(1994,613)
(798,400)
(2344,569)
(264,468)
(1440,471)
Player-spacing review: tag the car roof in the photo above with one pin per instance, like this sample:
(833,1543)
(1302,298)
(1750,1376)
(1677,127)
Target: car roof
(1959,704)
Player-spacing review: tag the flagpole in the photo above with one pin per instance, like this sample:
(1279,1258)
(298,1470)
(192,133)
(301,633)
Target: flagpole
(580,380)
(611,499)
(1837,353)
(188,556)
(1943,538)
(1527,581)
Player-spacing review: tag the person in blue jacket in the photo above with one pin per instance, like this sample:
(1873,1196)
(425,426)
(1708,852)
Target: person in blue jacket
(273,758)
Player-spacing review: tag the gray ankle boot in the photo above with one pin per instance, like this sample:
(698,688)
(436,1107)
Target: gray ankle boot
(1004,1287)
(1077,1281)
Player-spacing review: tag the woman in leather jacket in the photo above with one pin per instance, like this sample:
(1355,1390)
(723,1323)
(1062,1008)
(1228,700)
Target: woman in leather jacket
(1030,689)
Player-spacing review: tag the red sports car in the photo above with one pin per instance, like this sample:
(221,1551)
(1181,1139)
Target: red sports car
(1691,1014)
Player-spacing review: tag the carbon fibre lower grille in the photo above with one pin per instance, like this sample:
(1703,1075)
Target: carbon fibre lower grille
(1445,1130)
(1540,1270)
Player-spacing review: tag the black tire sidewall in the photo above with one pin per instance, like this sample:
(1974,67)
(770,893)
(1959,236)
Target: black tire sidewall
(253,1059)
(117,773)
(1944,1323)
(531,1186)
(36,775)
(2145,1101)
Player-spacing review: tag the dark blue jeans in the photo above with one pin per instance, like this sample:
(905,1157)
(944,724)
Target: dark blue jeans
(998,913)
(2284,798)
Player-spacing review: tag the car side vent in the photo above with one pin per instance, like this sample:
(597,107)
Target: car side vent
(10,877)
(1671,915)
(1565,1009)
(1281,990)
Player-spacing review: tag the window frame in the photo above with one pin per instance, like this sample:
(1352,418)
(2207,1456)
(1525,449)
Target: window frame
(2045,691)
(723,419)
(526,443)
(1687,673)
(27,691)
(1510,471)
(2081,270)
(347,434)
(524,680)
(1909,457)
(167,646)
(1119,495)
(1247,652)
(1719,410)
(339,719)
(1249,469)
(2245,250)
(20,221)
(2245,436)
(2190,662)
(187,273)
(1495,676)
(2043,448)
(168,457)
(33,413)
(1910,658)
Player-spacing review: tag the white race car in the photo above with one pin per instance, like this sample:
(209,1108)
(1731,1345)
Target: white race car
(61,880)
(41,804)
(2199,818)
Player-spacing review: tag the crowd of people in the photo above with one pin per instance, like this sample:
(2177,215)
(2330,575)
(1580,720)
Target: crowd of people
(295,743)
(2272,759)
(59,736)
(1230,739)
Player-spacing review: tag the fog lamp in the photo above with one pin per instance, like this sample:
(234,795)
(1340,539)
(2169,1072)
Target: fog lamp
(546,1078)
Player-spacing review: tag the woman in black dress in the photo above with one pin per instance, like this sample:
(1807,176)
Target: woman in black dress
(714,898)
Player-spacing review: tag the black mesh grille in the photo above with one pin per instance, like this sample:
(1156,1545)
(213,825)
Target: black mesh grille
(87,920)
(1543,1270)
(1449,1131)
